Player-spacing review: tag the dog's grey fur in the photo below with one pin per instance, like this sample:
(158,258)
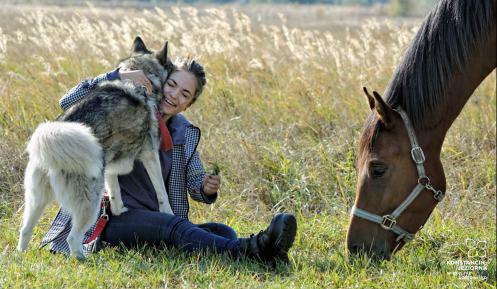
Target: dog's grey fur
(73,158)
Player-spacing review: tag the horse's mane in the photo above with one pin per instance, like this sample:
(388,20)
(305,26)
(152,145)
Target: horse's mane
(442,46)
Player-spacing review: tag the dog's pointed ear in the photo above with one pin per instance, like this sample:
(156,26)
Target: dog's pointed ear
(139,46)
(162,55)
(384,111)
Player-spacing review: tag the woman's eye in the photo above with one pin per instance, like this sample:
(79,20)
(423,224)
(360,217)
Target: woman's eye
(377,170)
(170,83)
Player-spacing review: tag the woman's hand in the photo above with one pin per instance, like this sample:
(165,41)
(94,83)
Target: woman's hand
(137,77)
(211,184)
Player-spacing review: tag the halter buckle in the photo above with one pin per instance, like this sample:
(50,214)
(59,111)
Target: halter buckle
(439,195)
(388,222)
(426,183)
(417,155)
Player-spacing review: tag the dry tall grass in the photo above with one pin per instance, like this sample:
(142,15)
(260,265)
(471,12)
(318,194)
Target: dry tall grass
(283,108)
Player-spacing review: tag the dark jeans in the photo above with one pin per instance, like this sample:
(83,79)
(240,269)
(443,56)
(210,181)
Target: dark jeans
(138,227)
(219,229)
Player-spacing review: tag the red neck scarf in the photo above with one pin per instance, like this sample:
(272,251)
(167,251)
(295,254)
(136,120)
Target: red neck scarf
(166,142)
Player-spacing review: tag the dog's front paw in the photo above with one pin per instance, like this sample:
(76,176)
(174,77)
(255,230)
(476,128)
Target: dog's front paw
(117,208)
(118,211)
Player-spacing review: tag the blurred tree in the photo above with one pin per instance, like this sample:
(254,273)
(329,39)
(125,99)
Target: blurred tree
(396,7)
(401,7)
(410,7)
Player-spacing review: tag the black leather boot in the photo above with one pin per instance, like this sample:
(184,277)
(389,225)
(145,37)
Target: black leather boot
(273,243)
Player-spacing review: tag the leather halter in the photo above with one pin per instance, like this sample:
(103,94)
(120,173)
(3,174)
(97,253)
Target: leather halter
(389,221)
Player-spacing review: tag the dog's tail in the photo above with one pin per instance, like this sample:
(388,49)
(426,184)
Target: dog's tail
(66,146)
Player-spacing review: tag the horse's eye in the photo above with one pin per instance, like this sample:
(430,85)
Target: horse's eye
(377,170)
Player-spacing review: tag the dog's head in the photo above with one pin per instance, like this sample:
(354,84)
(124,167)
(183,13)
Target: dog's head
(156,65)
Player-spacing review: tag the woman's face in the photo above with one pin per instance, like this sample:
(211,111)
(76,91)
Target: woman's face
(178,92)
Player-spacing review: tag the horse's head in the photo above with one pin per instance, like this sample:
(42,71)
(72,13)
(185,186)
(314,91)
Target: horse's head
(394,197)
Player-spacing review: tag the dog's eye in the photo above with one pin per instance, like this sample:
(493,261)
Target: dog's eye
(377,170)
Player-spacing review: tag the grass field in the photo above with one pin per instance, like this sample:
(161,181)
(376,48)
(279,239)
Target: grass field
(282,113)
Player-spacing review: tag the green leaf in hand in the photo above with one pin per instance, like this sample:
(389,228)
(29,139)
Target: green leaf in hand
(216,169)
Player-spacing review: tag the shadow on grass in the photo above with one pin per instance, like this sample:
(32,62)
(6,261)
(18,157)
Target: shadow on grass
(164,258)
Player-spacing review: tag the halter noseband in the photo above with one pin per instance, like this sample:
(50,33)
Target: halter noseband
(389,221)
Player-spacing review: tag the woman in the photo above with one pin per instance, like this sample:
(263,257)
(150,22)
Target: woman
(183,172)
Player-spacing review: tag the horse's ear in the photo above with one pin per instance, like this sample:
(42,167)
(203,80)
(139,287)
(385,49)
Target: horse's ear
(383,110)
(162,55)
(139,46)
(369,97)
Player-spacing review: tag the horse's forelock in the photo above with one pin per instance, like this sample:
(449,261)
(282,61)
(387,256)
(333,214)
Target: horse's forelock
(369,134)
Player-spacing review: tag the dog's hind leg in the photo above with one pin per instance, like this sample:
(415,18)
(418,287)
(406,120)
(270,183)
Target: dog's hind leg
(80,195)
(38,195)
(83,217)
(151,162)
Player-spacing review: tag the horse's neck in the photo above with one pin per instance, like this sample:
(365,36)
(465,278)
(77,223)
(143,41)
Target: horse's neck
(462,85)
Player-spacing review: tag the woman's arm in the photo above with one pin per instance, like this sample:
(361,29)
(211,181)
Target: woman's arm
(194,181)
(81,90)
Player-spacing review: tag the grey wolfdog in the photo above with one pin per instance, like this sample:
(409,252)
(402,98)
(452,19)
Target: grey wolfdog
(91,143)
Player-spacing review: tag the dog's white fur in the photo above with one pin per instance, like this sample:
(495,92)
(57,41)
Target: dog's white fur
(66,163)
(61,156)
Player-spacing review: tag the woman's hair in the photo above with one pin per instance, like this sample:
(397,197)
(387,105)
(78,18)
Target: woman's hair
(197,70)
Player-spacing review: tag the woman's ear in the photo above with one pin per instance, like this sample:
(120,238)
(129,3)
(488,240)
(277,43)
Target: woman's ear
(191,102)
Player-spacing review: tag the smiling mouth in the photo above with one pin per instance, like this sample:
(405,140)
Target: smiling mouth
(166,100)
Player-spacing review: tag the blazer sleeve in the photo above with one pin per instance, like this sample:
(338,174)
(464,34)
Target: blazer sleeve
(81,90)
(194,177)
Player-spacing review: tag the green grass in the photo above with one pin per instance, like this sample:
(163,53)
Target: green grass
(318,260)
(281,116)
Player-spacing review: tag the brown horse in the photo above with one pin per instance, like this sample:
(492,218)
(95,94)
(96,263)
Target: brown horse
(400,175)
